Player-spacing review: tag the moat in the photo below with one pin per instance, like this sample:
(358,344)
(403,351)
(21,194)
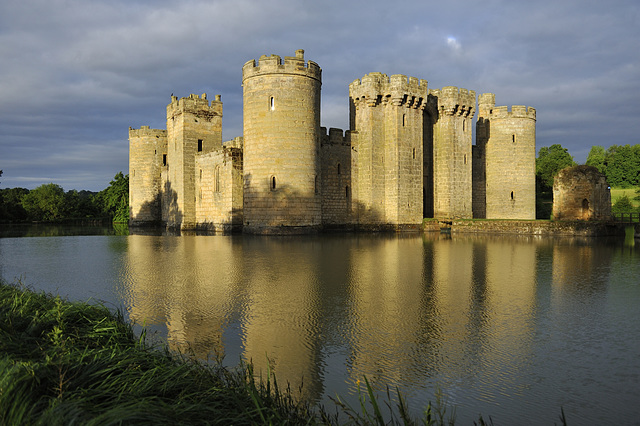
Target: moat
(509,327)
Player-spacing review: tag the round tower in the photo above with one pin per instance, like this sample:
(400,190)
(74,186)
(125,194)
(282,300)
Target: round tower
(281,159)
(509,139)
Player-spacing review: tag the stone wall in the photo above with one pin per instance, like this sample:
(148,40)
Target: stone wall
(281,144)
(452,140)
(537,227)
(387,154)
(219,190)
(507,138)
(193,125)
(336,177)
(147,150)
(581,193)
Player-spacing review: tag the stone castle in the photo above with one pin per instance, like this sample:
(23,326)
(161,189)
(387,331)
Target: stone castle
(408,155)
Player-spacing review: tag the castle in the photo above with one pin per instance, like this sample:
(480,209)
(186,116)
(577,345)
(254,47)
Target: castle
(408,155)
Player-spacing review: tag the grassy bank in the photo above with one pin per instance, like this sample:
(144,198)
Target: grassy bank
(74,363)
(617,193)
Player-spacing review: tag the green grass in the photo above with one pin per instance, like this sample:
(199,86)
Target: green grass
(620,192)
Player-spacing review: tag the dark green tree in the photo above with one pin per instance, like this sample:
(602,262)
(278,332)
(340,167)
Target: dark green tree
(623,165)
(11,204)
(549,162)
(596,158)
(114,200)
(46,203)
(623,205)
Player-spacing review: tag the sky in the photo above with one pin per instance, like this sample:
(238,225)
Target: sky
(75,74)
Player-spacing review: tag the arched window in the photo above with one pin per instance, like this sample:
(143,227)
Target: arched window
(272,103)
(512,195)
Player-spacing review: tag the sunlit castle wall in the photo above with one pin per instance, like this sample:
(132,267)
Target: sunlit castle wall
(387,120)
(507,138)
(193,126)
(147,150)
(281,100)
(452,141)
(219,188)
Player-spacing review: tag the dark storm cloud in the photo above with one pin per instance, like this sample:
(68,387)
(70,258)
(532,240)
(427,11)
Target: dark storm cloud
(77,74)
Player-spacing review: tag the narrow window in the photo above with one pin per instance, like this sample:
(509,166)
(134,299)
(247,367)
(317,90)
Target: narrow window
(272,104)
(512,195)
(273,183)
(464,125)
(414,153)
(513,138)
(338,168)
(200,174)
(164,159)
(315,185)
(346,192)
(465,159)
(404,120)
(199,145)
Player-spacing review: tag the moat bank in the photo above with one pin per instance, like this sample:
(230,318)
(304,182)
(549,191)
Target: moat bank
(529,227)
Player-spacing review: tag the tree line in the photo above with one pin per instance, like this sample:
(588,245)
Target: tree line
(50,203)
(619,163)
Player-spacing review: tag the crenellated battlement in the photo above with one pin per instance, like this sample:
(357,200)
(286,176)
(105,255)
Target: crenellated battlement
(454,101)
(195,104)
(273,64)
(335,137)
(145,131)
(376,88)
(488,110)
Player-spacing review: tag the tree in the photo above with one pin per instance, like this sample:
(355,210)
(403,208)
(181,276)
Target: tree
(46,202)
(596,158)
(623,165)
(549,162)
(114,200)
(11,204)
(623,205)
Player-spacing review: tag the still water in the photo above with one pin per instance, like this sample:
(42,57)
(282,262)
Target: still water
(509,327)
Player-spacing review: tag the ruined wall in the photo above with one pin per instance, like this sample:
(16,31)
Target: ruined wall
(147,149)
(581,193)
(387,149)
(218,187)
(508,141)
(193,125)
(452,140)
(281,144)
(336,177)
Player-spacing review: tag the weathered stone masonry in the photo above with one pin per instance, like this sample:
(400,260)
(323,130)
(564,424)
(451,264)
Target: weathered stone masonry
(408,154)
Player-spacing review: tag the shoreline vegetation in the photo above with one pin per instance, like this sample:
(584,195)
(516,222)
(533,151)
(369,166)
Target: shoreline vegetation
(67,362)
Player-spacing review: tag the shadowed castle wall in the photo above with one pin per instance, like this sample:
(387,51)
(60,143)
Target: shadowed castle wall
(336,176)
(281,144)
(581,193)
(147,149)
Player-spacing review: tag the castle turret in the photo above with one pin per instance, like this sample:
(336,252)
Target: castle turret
(452,140)
(387,149)
(147,156)
(281,144)
(193,125)
(506,139)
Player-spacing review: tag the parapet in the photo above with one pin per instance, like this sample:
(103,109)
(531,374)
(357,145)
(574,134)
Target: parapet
(516,111)
(335,137)
(237,142)
(455,101)
(398,89)
(195,104)
(273,64)
(145,131)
